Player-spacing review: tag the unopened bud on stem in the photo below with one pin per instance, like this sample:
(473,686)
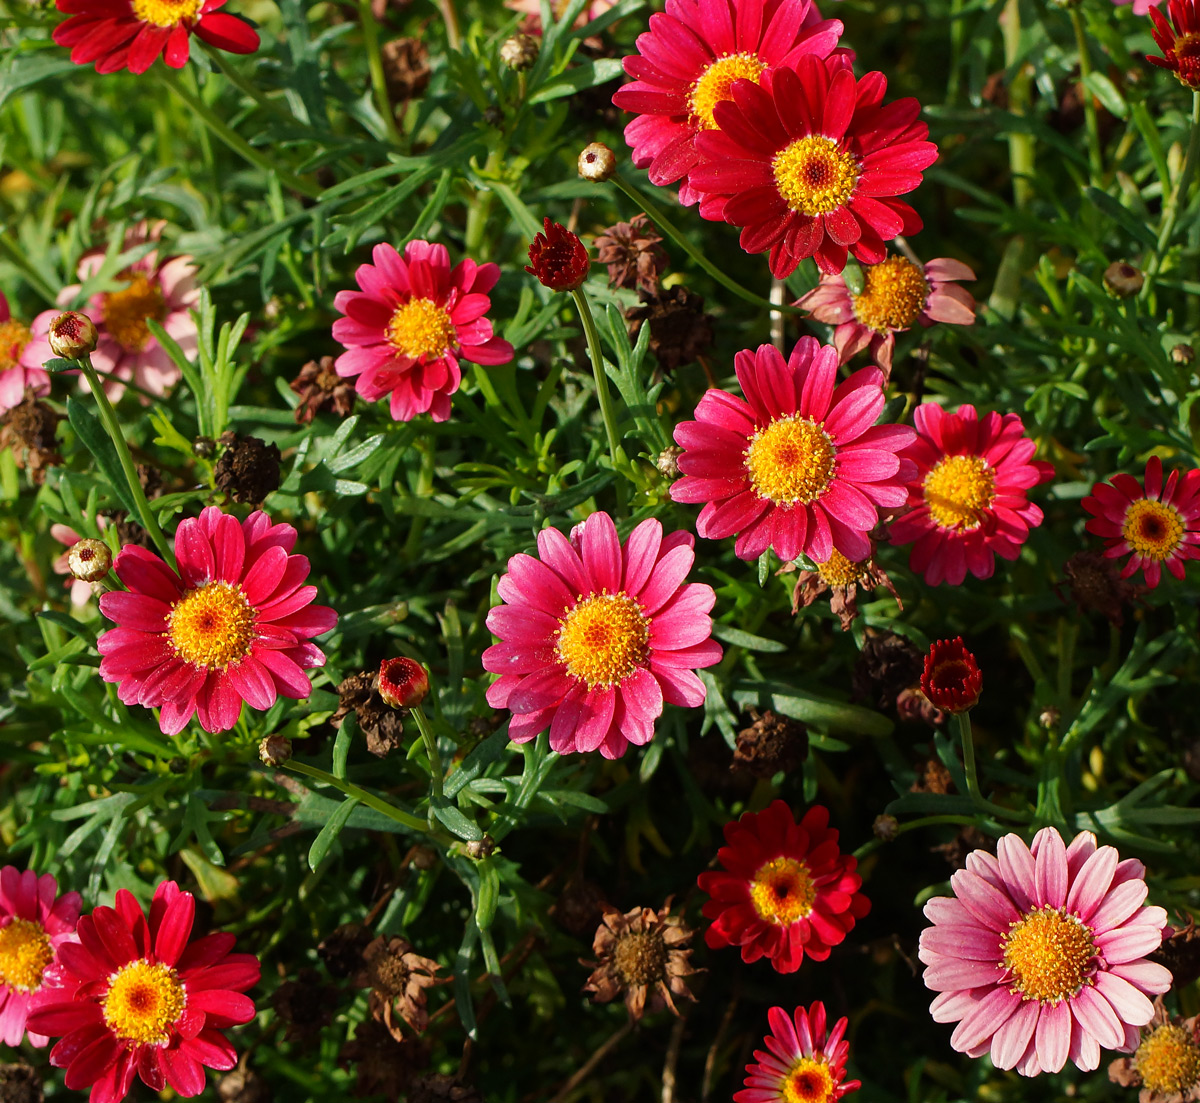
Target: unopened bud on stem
(72,335)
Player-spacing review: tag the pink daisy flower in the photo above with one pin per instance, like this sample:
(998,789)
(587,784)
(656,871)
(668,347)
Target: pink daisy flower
(1040,956)
(896,293)
(687,62)
(137,996)
(967,500)
(1140,7)
(801,1064)
(414,319)
(34,923)
(235,624)
(596,635)
(17,369)
(532,10)
(1154,525)
(799,465)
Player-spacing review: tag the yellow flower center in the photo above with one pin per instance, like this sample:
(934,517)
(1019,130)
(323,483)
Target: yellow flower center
(25,951)
(837,570)
(957,491)
(1153,529)
(420,327)
(790,461)
(166,13)
(641,957)
(782,891)
(14,336)
(1187,56)
(716,83)
(809,1081)
(125,312)
(815,175)
(604,639)
(143,1002)
(894,293)
(212,626)
(1048,952)
(1168,1061)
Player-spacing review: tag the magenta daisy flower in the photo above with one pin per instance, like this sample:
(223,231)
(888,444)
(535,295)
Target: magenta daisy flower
(34,923)
(137,996)
(411,323)
(687,62)
(896,293)
(810,163)
(596,635)
(17,370)
(799,465)
(235,624)
(967,499)
(1040,956)
(801,1064)
(1154,525)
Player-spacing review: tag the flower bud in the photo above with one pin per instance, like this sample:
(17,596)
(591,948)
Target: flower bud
(885,827)
(520,52)
(597,162)
(668,461)
(89,560)
(1123,280)
(275,750)
(1183,354)
(952,680)
(72,335)
(481,848)
(558,258)
(403,683)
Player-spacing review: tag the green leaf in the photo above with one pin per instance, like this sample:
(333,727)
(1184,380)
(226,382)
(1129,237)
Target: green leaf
(331,830)
(735,636)
(455,820)
(93,437)
(819,711)
(488,895)
(1107,93)
(1123,217)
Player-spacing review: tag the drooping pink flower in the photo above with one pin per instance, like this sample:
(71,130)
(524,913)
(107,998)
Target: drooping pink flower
(596,635)
(411,323)
(800,1065)
(1040,955)
(235,624)
(34,922)
(799,465)
(17,370)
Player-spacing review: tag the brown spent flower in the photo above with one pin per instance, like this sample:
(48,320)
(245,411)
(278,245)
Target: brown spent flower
(772,743)
(933,777)
(680,331)
(1097,586)
(29,429)
(596,162)
(580,906)
(72,335)
(912,706)
(1166,1065)
(243,1086)
(633,253)
(1182,353)
(385,1065)
(406,71)
(964,842)
(1180,952)
(558,258)
(398,978)
(274,750)
(382,725)
(321,388)
(342,949)
(438,1087)
(305,1004)
(641,953)
(20,1083)
(887,665)
(248,469)
(952,679)
(1123,280)
(842,580)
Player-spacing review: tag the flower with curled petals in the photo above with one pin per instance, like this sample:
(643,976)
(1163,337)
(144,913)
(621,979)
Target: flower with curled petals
(801,1064)
(138,996)
(1040,955)
(234,624)
(596,635)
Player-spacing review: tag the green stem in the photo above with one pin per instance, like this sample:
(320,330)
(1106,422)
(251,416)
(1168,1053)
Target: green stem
(1020,146)
(247,88)
(435,759)
(963,720)
(412,545)
(911,825)
(1092,121)
(1178,193)
(383,103)
(349,789)
(450,16)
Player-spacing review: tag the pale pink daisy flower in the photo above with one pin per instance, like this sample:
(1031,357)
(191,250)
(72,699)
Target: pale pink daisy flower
(411,323)
(17,369)
(533,10)
(1040,956)
(596,635)
(1140,7)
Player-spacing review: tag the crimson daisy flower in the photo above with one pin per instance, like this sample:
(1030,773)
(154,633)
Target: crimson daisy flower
(1154,525)
(801,1064)
(810,162)
(687,63)
(34,922)
(596,635)
(235,624)
(799,465)
(131,34)
(1179,40)
(786,891)
(967,499)
(411,323)
(136,996)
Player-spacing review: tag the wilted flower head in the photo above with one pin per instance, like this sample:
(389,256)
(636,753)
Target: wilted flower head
(952,679)
(842,579)
(680,330)
(397,977)
(558,258)
(321,388)
(633,254)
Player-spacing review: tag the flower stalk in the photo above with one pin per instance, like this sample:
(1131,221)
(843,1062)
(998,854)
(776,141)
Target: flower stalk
(383,104)
(349,789)
(431,749)
(1178,195)
(963,721)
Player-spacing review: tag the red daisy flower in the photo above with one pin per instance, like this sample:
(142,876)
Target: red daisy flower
(235,624)
(967,500)
(414,319)
(952,679)
(802,1065)
(787,891)
(1179,40)
(688,62)
(800,465)
(809,164)
(1155,526)
(597,635)
(134,996)
(120,34)
(558,258)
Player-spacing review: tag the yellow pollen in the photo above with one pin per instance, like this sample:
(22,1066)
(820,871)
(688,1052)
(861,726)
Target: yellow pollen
(815,175)
(958,489)
(837,570)
(213,626)
(809,1081)
(143,1002)
(25,951)
(1168,1061)
(782,891)
(893,295)
(125,312)
(166,13)
(604,639)
(14,336)
(421,328)
(791,460)
(1048,952)
(1153,529)
(716,83)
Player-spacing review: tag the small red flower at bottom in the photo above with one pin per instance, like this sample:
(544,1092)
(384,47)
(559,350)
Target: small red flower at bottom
(558,258)
(803,1065)
(787,890)
(135,997)
(403,682)
(952,680)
